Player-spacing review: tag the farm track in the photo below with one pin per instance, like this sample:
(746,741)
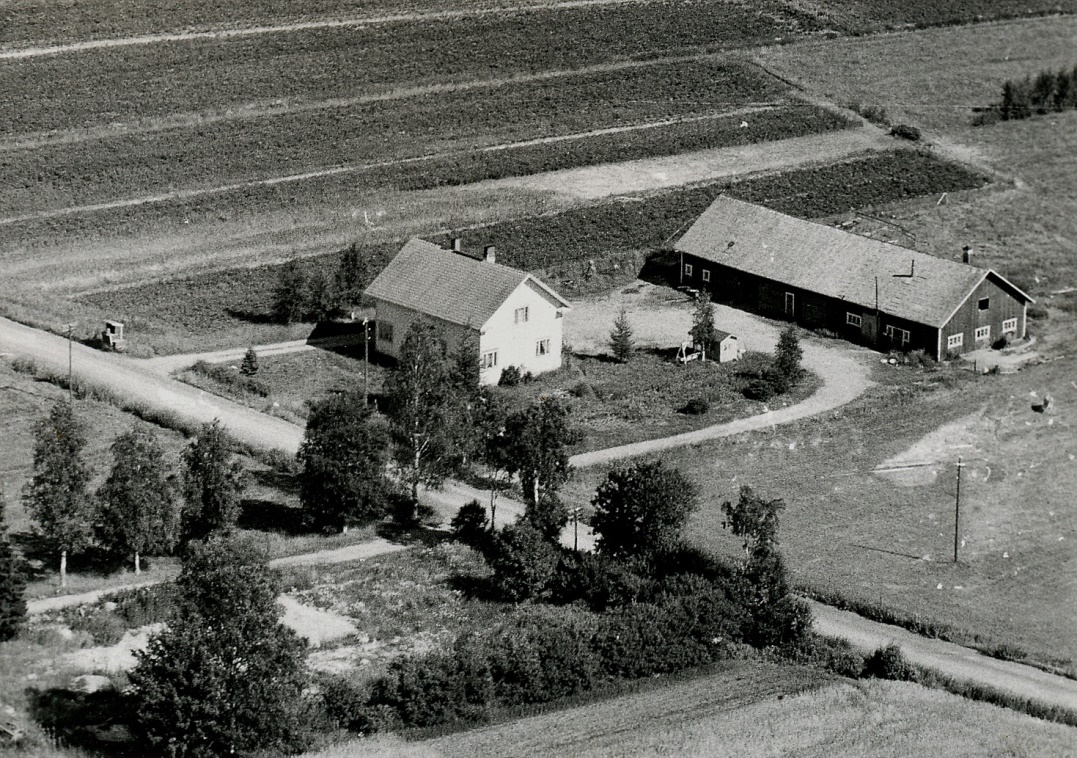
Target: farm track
(183,195)
(272,108)
(299,26)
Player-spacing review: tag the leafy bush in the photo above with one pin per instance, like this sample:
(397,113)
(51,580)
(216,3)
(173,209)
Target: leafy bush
(1037,312)
(582,390)
(889,663)
(597,581)
(762,389)
(510,377)
(470,525)
(437,688)
(523,561)
(904,131)
(697,406)
(876,114)
(1001,343)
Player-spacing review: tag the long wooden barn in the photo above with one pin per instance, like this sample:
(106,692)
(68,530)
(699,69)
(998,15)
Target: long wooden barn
(876,293)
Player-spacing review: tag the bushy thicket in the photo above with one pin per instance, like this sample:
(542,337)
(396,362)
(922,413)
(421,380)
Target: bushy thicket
(1047,92)
(230,377)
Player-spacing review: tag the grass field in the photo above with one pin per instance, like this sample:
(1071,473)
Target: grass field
(889,539)
(750,709)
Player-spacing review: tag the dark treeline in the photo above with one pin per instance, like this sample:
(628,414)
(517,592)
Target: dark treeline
(1047,92)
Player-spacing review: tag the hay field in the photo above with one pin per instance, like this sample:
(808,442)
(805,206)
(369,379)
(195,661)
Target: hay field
(752,710)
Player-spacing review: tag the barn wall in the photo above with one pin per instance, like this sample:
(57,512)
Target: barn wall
(969,317)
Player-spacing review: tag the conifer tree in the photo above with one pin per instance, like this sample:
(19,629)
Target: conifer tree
(57,496)
(621,343)
(249,366)
(12,582)
(787,356)
(290,294)
(139,513)
(703,332)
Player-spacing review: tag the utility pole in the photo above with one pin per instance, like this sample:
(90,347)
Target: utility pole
(69,330)
(576,528)
(366,361)
(957,508)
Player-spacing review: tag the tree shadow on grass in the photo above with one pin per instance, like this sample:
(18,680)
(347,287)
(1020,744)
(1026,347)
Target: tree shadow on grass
(278,480)
(662,268)
(271,516)
(476,587)
(97,722)
(41,561)
(251,317)
(394,532)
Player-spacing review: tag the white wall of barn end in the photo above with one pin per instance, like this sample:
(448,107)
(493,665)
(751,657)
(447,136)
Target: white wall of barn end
(517,343)
(401,320)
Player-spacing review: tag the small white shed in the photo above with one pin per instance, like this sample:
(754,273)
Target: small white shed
(728,349)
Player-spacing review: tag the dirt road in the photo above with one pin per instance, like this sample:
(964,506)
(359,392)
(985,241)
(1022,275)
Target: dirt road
(129,380)
(955,661)
(660,317)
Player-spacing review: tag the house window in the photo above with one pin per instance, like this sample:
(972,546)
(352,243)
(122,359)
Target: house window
(983,332)
(521,315)
(688,269)
(706,275)
(853,319)
(955,340)
(488,360)
(901,336)
(984,304)
(385,331)
(1009,326)
(542,347)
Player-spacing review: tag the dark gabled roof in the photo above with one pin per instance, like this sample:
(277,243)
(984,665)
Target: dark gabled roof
(450,286)
(834,263)
(721,336)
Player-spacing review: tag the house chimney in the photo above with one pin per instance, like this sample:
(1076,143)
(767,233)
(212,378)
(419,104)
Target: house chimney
(457,245)
(489,254)
(966,254)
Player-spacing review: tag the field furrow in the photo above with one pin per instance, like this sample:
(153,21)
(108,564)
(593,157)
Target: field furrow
(127,84)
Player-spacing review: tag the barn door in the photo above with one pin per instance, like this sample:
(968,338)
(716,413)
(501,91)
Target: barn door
(789,303)
(869,328)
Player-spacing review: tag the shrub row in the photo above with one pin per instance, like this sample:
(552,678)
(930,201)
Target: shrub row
(1048,91)
(541,654)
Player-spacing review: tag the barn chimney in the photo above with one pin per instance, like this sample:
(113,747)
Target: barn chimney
(457,245)
(489,254)
(966,254)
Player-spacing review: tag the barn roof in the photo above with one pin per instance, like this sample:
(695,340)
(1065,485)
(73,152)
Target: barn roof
(451,286)
(835,263)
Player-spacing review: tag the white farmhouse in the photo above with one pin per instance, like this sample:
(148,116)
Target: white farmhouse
(516,318)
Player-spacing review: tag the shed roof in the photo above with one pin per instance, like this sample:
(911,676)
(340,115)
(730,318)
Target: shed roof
(451,286)
(915,286)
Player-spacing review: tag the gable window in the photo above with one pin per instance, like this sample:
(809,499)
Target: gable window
(1009,326)
(984,304)
(955,340)
(983,332)
(488,360)
(901,336)
(521,314)
(688,269)
(853,319)
(542,347)
(706,275)
(385,331)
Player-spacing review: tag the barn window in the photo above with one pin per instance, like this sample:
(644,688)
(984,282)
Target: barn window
(385,331)
(542,347)
(853,319)
(488,360)
(1009,326)
(521,314)
(688,269)
(706,275)
(983,332)
(896,334)
(984,304)
(955,340)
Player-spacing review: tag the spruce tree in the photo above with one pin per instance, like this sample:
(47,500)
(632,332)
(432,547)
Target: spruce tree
(787,356)
(621,343)
(12,582)
(57,496)
(212,484)
(139,513)
(249,366)
(290,294)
